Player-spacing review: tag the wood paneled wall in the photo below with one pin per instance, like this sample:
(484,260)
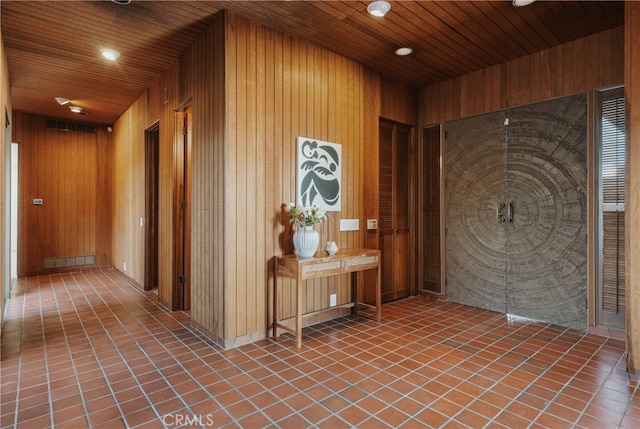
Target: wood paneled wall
(252,91)
(582,65)
(398,102)
(279,88)
(168,94)
(127,248)
(65,169)
(203,83)
(632,204)
(5,111)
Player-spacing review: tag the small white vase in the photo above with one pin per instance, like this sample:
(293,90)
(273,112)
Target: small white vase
(331,248)
(305,242)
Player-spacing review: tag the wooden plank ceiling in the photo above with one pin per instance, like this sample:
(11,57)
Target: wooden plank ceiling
(52,47)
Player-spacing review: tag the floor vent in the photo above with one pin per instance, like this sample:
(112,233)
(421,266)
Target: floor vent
(69,261)
(71,126)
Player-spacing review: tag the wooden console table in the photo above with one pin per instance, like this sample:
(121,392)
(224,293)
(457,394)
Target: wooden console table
(300,269)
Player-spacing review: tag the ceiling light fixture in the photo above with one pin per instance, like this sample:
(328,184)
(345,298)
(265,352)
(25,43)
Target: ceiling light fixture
(62,101)
(76,109)
(404,51)
(379,8)
(121,1)
(520,3)
(110,54)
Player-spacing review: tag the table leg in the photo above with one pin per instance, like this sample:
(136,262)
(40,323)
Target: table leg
(355,276)
(299,309)
(378,295)
(276,299)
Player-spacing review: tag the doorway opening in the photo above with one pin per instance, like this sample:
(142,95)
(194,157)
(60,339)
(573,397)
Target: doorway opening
(182,289)
(429,199)
(152,165)
(10,200)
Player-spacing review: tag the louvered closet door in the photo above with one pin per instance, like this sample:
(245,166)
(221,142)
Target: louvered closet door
(516,216)
(612,166)
(393,221)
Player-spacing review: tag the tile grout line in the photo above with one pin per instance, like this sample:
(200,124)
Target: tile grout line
(178,362)
(22,338)
(90,342)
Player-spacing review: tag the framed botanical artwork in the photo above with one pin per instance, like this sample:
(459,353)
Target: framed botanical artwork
(319,174)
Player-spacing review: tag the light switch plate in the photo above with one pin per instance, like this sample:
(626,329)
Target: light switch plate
(349,224)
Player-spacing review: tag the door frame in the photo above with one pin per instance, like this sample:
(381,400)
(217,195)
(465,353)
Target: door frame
(152,168)
(420,217)
(411,253)
(181,288)
(615,321)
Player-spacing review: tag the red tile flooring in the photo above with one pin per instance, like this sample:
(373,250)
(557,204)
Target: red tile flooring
(88,350)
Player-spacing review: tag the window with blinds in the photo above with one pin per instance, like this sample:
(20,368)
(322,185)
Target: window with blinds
(612,162)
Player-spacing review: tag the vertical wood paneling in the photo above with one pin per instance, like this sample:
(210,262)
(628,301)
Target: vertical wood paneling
(65,169)
(209,163)
(154,97)
(5,109)
(399,102)
(568,70)
(592,55)
(632,203)
(580,63)
(279,88)
(576,66)
(166,189)
(129,190)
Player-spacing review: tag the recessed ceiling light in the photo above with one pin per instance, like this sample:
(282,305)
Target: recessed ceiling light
(121,1)
(62,101)
(110,54)
(520,3)
(379,8)
(76,109)
(403,51)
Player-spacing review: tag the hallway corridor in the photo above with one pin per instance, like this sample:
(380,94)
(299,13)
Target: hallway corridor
(87,349)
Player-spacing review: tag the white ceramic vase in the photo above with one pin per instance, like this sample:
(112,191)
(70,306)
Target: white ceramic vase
(305,242)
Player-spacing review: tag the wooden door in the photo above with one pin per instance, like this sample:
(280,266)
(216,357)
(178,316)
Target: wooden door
(394,203)
(516,211)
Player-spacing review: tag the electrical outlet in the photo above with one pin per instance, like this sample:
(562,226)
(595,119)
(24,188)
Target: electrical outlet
(333,300)
(349,224)
(125,266)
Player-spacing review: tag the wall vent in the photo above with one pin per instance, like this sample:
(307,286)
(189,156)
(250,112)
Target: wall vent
(71,126)
(69,261)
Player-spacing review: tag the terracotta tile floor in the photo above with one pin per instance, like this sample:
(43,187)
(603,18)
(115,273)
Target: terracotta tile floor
(88,350)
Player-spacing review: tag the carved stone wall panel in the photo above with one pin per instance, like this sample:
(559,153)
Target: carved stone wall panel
(474,187)
(547,186)
(531,260)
